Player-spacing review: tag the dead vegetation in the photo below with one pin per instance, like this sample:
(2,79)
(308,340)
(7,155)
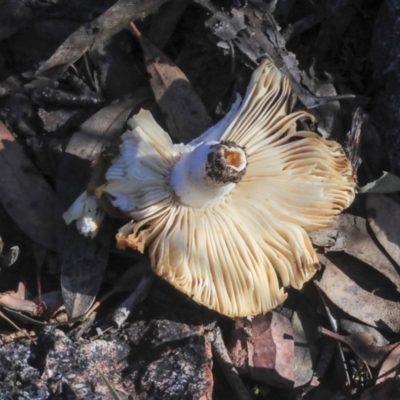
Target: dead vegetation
(71,75)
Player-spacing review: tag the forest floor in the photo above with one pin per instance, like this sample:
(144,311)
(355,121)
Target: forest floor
(73,308)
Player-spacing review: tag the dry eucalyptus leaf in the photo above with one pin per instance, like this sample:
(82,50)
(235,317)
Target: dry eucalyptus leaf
(364,346)
(303,363)
(351,326)
(24,193)
(357,302)
(388,390)
(307,352)
(387,183)
(86,148)
(163,23)
(391,366)
(383,218)
(83,260)
(360,245)
(350,234)
(184,111)
(82,267)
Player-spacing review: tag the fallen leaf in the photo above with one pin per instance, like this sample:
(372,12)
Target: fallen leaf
(388,390)
(164,22)
(362,246)
(350,234)
(351,326)
(387,183)
(357,302)
(383,216)
(303,363)
(364,346)
(82,267)
(307,353)
(24,193)
(184,111)
(263,349)
(390,367)
(83,260)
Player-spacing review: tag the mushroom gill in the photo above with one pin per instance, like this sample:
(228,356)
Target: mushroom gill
(224,218)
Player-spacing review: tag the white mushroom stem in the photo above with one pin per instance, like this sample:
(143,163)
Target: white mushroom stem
(204,176)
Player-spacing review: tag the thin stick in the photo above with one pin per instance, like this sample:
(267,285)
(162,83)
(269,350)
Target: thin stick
(230,372)
(124,309)
(334,326)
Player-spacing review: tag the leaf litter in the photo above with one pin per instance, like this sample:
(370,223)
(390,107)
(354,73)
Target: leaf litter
(188,71)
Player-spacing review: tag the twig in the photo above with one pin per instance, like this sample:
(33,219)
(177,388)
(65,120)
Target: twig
(15,325)
(230,372)
(125,308)
(334,327)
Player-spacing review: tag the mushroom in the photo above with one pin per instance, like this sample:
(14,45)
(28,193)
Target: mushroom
(224,218)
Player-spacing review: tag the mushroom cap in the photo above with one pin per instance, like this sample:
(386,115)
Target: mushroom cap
(235,256)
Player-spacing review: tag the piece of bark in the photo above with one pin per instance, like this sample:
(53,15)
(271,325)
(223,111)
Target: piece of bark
(172,360)
(263,349)
(102,28)
(221,354)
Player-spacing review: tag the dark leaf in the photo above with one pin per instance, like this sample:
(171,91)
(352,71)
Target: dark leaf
(350,234)
(357,302)
(184,111)
(304,324)
(24,193)
(364,346)
(387,183)
(388,390)
(164,22)
(390,367)
(82,259)
(383,216)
